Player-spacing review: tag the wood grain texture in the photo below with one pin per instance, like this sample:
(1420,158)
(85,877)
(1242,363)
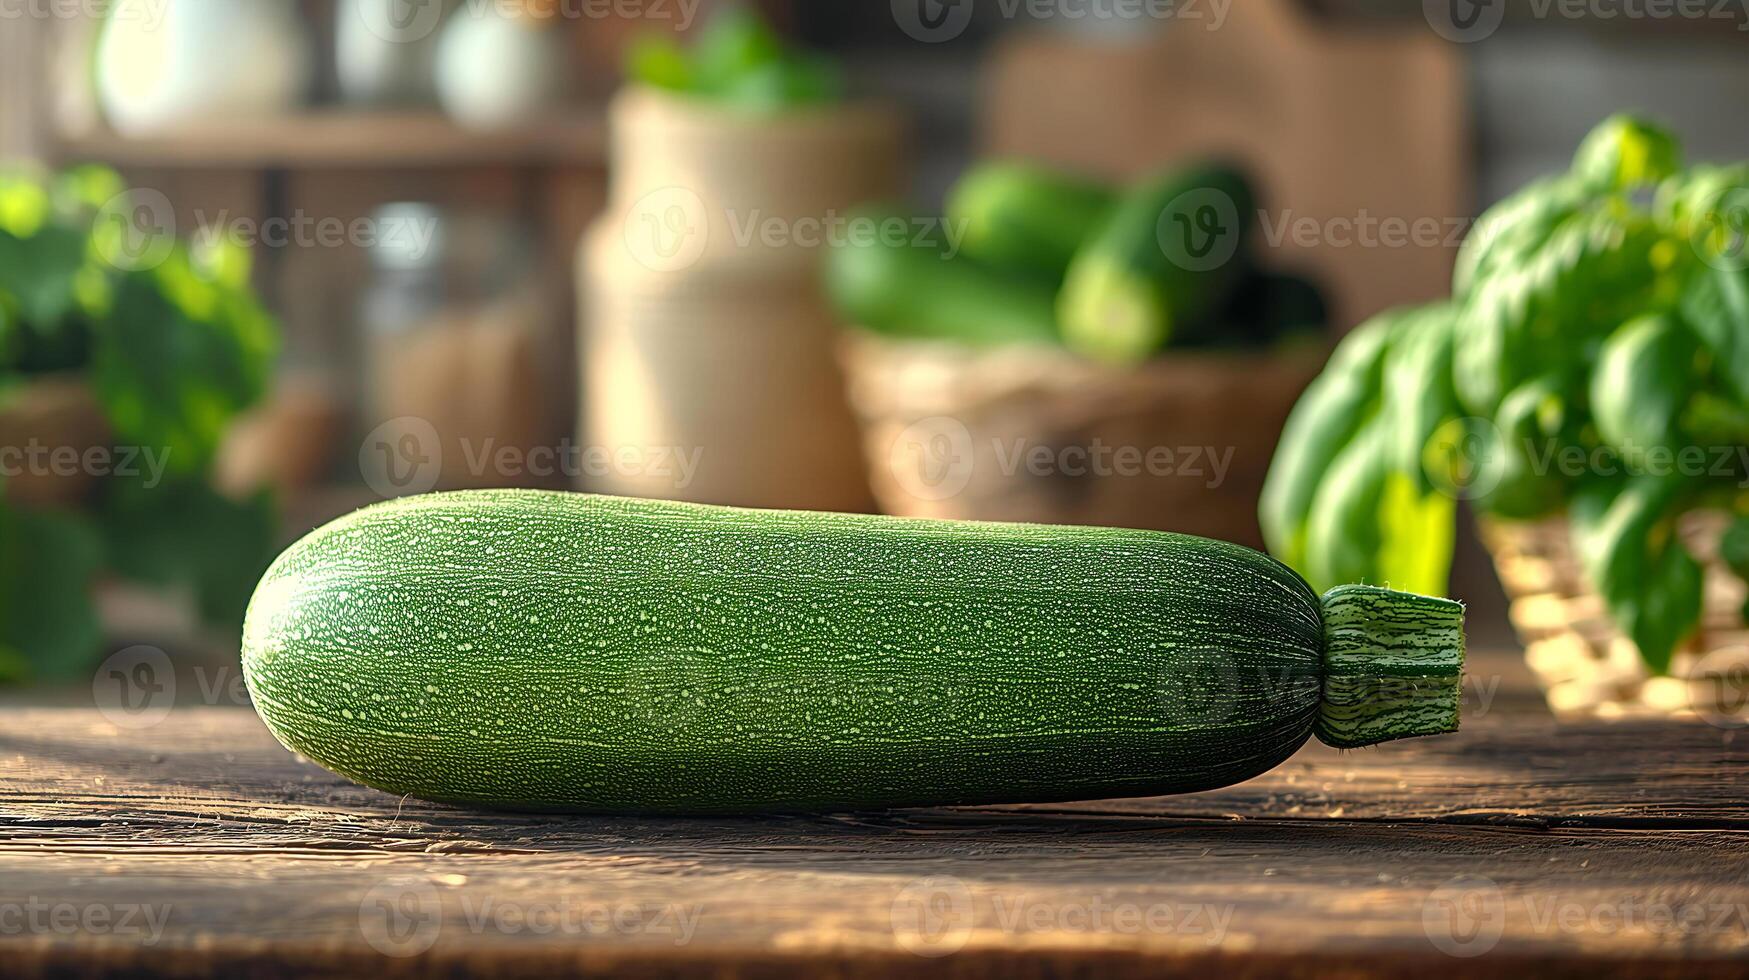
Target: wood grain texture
(1559,850)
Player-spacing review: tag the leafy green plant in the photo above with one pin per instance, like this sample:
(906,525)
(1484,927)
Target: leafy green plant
(1593,361)
(171,350)
(738,61)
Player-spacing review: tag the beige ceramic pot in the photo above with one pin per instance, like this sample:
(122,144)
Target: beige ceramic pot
(696,185)
(707,347)
(715,388)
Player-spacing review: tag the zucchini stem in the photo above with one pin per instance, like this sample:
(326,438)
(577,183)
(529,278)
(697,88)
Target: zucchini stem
(1393,666)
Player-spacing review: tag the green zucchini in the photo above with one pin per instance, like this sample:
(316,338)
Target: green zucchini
(1025,219)
(888,280)
(1267,307)
(1161,266)
(552,651)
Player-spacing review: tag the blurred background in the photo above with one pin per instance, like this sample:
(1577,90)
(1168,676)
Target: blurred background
(266,261)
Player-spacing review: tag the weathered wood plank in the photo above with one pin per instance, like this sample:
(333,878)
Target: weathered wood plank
(1558,849)
(74,769)
(977,889)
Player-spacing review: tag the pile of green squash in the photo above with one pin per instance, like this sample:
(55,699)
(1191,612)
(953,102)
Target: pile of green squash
(1026,254)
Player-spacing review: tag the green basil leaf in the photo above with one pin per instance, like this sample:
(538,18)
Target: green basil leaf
(38,273)
(48,563)
(1327,417)
(1344,532)
(1706,207)
(659,61)
(1626,151)
(1371,522)
(1521,476)
(1734,546)
(1595,270)
(1624,531)
(1734,552)
(177,357)
(1417,532)
(1418,389)
(1642,382)
(25,204)
(80,192)
(1666,610)
(14,666)
(1716,306)
(735,42)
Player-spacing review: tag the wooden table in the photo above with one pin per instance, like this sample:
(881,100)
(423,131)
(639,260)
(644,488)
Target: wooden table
(199,845)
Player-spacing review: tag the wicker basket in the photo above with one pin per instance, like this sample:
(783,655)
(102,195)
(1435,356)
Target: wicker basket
(1586,666)
(1038,435)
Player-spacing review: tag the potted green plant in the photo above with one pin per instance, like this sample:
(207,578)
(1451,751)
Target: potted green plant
(1586,389)
(125,353)
(734,160)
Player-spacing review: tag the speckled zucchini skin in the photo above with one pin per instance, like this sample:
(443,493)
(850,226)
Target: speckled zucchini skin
(532,650)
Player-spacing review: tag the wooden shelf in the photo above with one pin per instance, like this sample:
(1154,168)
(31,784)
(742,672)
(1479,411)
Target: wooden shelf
(343,139)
